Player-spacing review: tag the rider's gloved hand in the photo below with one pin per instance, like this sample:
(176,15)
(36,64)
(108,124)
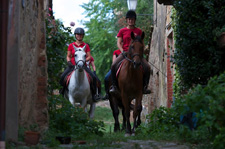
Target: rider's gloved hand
(124,53)
(95,72)
(70,64)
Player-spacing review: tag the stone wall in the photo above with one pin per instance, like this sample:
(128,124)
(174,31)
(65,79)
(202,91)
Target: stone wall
(32,64)
(158,61)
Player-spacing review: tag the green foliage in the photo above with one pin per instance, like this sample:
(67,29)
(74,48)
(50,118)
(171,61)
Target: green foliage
(145,17)
(208,102)
(58,37)
(197,54)
(105,114)
(163,120)
(65,120)
(218,30)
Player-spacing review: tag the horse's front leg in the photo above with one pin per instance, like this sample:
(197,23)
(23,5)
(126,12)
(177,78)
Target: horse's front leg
(115,112)
(126,105)
(71,99)
(92,110)
(137,113)
(124,119)
(139,119)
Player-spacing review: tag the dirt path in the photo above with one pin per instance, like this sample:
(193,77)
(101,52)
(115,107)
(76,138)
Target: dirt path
(134,144)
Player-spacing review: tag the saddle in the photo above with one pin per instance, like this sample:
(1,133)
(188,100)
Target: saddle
(68,76)
(119,66)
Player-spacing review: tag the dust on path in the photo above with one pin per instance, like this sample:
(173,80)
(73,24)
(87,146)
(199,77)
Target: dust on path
(103,104)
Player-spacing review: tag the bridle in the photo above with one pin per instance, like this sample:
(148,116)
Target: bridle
(132,55)
(76,63)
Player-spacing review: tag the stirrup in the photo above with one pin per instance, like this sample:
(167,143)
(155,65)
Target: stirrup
(113,90)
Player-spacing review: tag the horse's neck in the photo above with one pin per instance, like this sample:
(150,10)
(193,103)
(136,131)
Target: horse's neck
(130,69)
(79,76)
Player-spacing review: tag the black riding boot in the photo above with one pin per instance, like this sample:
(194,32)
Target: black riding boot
(146,78)
(106,97)
(62,79)
(113,89)
(96,96)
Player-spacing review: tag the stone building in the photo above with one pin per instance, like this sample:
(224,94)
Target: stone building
(161,80)
(23,66)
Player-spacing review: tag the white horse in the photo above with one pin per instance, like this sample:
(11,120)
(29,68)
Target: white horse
(79,87)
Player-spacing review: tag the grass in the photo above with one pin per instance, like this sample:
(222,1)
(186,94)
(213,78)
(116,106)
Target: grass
(111,139)
(105,114)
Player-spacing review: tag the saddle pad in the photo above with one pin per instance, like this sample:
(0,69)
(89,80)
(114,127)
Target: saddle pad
(69,76)
(118,70)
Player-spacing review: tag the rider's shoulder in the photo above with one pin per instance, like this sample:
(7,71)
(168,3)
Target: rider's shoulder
(73,43)
(124,29)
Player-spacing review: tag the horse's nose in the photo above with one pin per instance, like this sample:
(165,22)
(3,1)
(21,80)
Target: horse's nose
(80,65)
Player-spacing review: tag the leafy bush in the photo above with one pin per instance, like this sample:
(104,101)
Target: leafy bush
(65,120)
(58,37)
(162,121)
(207,101)
(211,101)
(197,54)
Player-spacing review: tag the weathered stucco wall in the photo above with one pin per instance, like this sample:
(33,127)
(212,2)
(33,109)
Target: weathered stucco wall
(32,64)
(157,57)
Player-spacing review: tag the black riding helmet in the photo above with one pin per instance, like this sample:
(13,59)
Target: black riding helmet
(131,14)
(79,30)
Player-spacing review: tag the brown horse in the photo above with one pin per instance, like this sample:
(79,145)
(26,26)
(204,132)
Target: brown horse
(130,81)
(116,104)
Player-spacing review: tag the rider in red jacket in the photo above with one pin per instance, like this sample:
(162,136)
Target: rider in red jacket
(123,42)
(79,35)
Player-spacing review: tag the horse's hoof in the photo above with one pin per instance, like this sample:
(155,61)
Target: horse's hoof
(127,135)
(133,134)
(97,97)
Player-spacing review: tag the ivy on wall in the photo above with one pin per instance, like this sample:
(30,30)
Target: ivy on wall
(58,38)
(197,56)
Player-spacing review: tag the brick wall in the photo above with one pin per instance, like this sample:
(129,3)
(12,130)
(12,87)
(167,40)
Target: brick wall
(33,65)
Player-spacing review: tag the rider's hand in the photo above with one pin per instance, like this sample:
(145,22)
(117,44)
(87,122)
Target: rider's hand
(95,72)
(70,64)
(124,53)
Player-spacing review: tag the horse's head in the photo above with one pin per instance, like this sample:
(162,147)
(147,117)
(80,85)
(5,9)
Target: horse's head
(136,49)
(80,57)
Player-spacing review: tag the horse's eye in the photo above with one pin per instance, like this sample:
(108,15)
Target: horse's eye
(75,55)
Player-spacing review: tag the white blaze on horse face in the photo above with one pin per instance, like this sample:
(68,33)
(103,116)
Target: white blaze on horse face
(80,56)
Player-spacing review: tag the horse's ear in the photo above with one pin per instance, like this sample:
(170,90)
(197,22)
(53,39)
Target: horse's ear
(132,35)
(84,47)
(143,35)
(75,48)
